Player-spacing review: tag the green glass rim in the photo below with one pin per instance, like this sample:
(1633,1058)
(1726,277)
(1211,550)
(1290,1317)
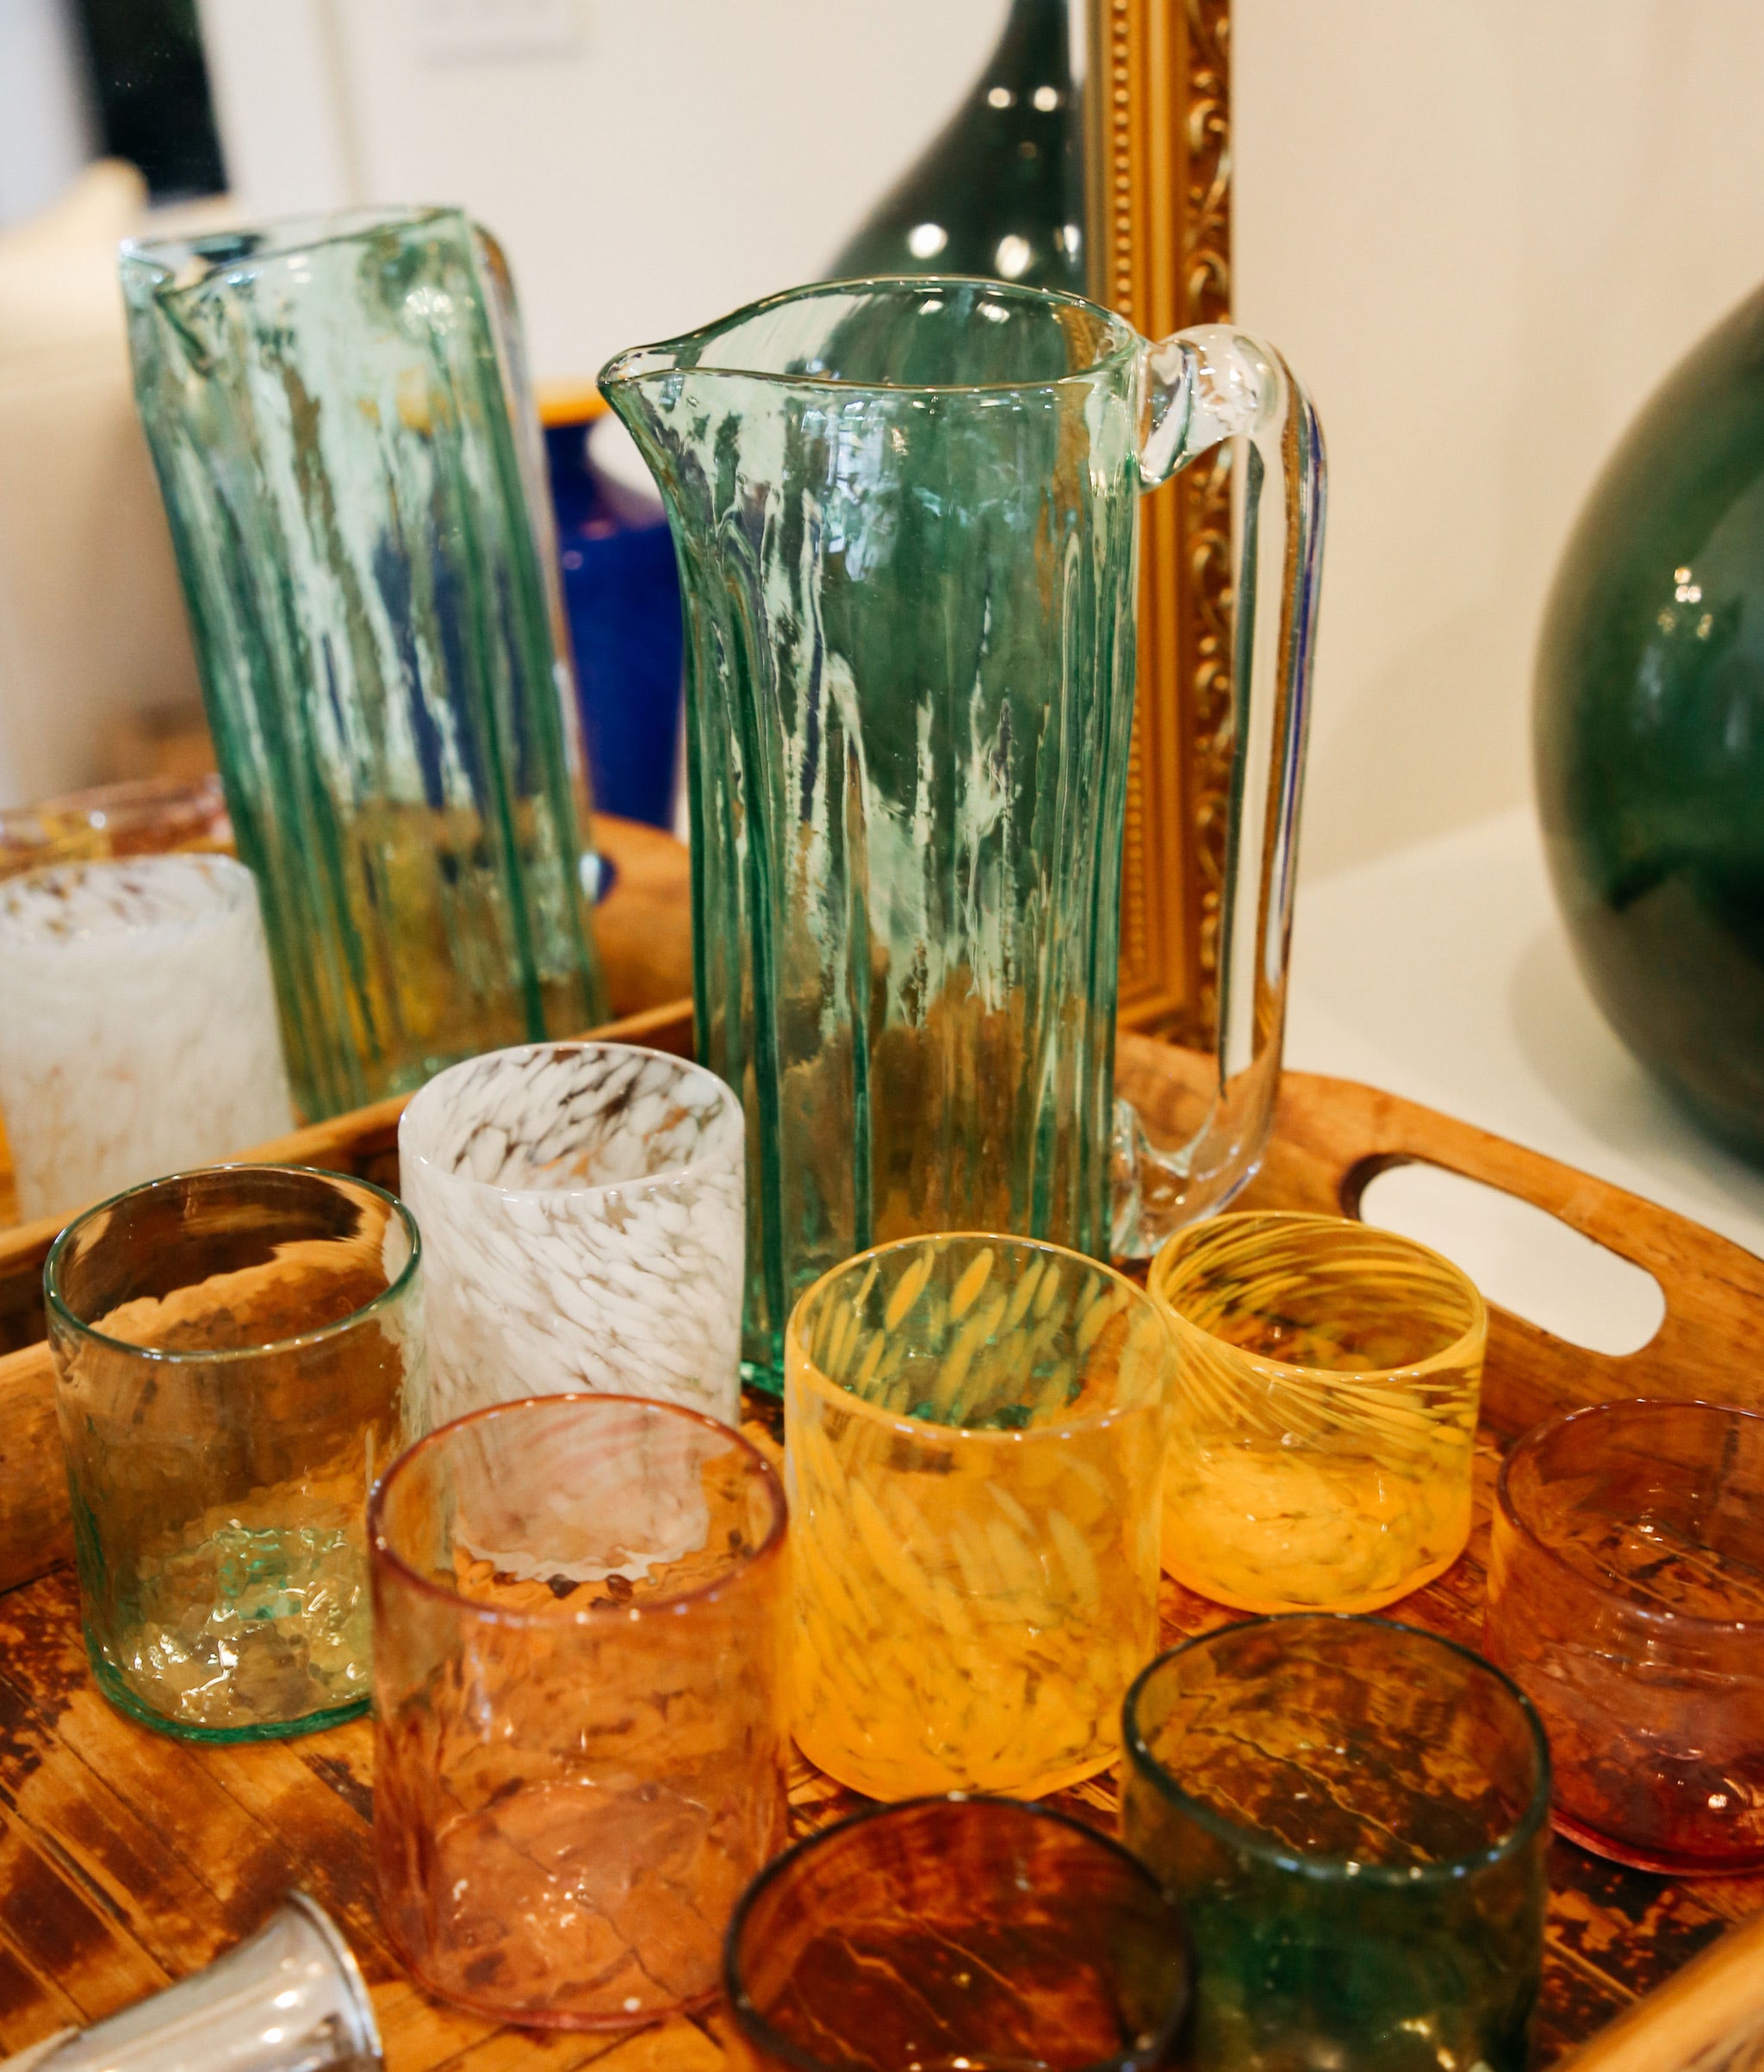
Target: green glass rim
(56,1303)
(1649,1617)
(1335,1870)
(830,1390)
(279,238)
(1452,1353)
(557,1617)
(774,2045)
(661,360)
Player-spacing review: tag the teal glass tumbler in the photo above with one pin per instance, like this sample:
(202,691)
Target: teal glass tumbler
(1353,1816)
(351,462)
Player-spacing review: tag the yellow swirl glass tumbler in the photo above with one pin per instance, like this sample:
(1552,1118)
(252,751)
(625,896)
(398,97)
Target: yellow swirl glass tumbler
(974,1430)
(1321,1443)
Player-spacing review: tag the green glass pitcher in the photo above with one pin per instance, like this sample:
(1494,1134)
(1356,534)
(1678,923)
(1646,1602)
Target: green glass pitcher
(906,517)
(339,412)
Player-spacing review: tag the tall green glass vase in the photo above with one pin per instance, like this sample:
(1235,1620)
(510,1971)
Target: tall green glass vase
(1649,732)
(1000,191)
(339,413)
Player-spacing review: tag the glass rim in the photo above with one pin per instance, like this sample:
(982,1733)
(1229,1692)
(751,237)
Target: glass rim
(283,237)
(1330,1869)
(769,2040)
(380,1548)
(661,360)
(297,1341)
(237,881)
(1445,1356)
(1610,1593)
(689,1068)
(828,1391)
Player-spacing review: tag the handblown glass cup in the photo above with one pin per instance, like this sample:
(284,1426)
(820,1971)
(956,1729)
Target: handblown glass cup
(581,1206)
(233,1348)
(138,1031)
(339,417)
(973,1428)
(579,1607)
(1626,1595)
(1322,1444)
(905,513)
(957,1932)
(1353,1817)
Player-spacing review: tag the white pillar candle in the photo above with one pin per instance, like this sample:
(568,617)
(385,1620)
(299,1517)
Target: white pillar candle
(138,1030)
(582,1208)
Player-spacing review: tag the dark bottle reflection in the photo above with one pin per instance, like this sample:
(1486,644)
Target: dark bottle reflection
(1000,193)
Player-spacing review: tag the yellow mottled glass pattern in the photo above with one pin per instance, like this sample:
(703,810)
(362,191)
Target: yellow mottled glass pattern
(973,1426)
(1325,1401)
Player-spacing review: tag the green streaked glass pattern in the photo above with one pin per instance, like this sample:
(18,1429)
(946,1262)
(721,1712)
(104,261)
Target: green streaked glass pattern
(1353,1816)
(910,640)
(349,461)
(906,514)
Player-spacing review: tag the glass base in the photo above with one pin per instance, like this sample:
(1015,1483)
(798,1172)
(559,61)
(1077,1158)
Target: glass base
(1665,1863)
(1275,1608)
(613,2023)
(106,1676)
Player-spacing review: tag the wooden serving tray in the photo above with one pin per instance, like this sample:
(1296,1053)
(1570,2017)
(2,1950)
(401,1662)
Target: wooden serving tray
(127,1859)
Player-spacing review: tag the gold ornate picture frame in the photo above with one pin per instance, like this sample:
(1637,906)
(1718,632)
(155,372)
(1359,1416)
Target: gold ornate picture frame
(1157,129)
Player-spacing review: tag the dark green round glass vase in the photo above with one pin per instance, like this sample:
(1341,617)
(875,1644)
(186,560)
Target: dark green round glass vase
(1649,732)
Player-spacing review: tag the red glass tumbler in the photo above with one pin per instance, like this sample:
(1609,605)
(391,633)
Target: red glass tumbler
(958,1934)
(580,1618)
(1626,1595)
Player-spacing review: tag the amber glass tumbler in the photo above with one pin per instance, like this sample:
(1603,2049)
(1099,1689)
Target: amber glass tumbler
(232,1350)
(579,1607)
(1352,1815)
(1327,1380)
(956,1932)
(1626,1595)
(974,1427)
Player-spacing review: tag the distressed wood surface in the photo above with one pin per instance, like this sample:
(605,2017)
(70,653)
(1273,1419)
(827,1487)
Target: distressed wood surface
(127,1858)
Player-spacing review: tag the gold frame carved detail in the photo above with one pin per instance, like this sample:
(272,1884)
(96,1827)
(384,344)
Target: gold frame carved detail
(1159,184)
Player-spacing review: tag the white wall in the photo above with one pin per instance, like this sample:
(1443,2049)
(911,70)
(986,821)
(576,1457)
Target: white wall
(45,132)
(1481,231)
(649,167)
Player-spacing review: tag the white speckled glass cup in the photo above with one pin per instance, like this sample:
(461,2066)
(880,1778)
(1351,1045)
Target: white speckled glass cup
(583,1211)
(137,1029)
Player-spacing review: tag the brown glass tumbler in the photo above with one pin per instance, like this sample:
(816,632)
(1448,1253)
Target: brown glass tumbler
(580,1607)
(947,1934)
(1626,1595)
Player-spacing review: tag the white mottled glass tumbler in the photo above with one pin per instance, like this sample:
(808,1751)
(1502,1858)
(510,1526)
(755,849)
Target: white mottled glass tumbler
(583,1214)
(137,1029)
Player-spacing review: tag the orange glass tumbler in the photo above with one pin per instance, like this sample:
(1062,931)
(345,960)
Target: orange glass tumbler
(579,1607)
(974,1429)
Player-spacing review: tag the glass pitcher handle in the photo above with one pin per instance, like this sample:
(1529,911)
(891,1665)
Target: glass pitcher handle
(1202,387)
